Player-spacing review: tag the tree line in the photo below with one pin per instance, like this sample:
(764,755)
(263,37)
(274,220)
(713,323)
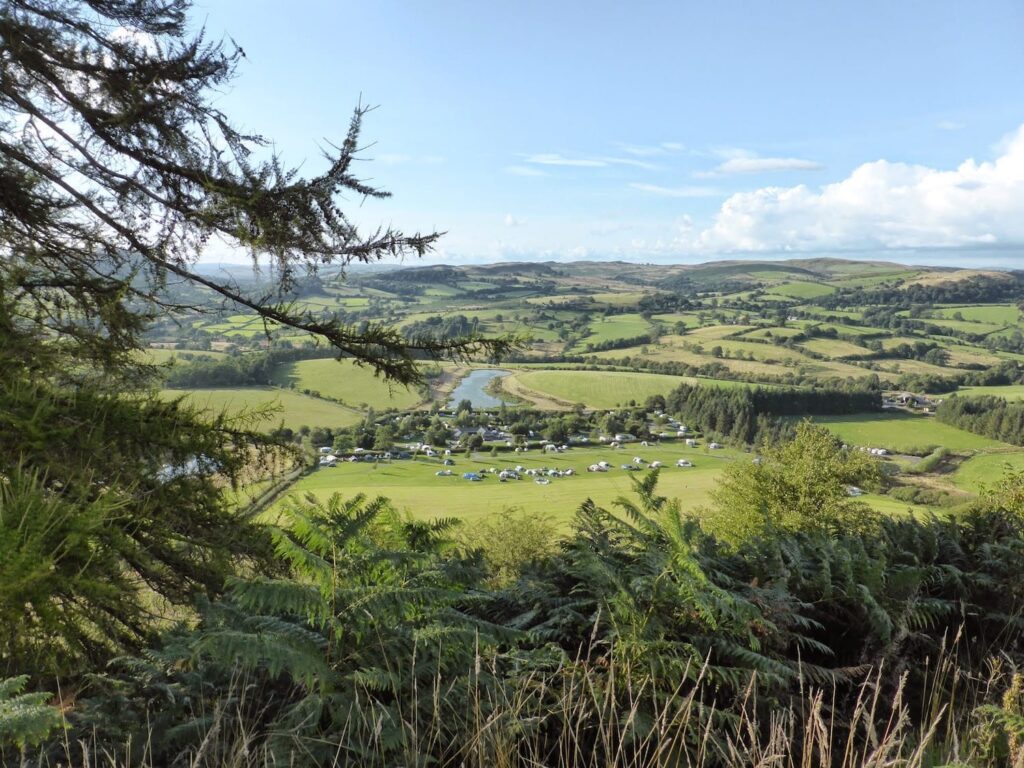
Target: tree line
(989,416)
(752,415)
(245,370)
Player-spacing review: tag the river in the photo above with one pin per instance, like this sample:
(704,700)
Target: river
(472,388)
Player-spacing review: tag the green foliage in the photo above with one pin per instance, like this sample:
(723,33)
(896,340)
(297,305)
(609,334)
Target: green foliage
(509,542)
(752,415)
(384,644)
(801,485)
(993,417)
(25,718)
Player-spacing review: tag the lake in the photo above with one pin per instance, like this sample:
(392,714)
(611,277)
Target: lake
(472,388)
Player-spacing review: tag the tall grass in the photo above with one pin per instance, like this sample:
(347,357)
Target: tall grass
(608,717)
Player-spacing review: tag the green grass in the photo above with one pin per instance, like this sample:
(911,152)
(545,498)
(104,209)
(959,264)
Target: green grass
(977,329)
(1010,391)
(598,389)
(904,433)
(773,332)
(801,290)
(986,470)
(413,486)
(296,410)
(345,381)
(616,327)
(619,299)
(994,314)
(836,348)
(688,319)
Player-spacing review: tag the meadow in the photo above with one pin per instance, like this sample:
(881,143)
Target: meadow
(1009,391)
(901,432)
(291,409)
(343,380)
(985,470)
(413,486)
(597,389)
(616,327)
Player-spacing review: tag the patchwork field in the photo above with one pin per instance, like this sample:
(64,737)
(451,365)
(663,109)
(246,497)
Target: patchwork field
(800,323)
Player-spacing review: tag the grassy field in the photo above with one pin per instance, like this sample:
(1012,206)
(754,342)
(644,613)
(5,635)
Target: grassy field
(1010,392)
(345,381)
(605,389)
(835,348)
(413,486)
(801,290)
(774,332)
(598,389)
(904,433)
(995,314)
(986,470)
(295,411)
(616,327)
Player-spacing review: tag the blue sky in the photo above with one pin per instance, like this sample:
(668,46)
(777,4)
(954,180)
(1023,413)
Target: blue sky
(657,131)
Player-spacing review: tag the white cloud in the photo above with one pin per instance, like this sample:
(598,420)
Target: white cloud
(738,161)
(655,189)
(881,205)
(652,150)
(522,170)
(512,221)
(552,158)
(556,159)
(949,125)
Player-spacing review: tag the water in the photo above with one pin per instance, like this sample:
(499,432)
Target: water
(472,388)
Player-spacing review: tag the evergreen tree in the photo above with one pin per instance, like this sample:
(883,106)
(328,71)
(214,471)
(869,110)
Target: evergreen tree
(116,171)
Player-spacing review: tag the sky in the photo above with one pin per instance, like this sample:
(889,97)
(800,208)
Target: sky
(655,132)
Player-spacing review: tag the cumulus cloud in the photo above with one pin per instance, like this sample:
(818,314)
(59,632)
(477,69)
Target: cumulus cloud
(661,191)
(512,221)
(884,205)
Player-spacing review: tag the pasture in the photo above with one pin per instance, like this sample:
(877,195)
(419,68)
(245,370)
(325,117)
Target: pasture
(803,290)
(994,314)
(984,471)
(596,389)
(1009,391)
(413,486)
(291,409)
(616,327)
(344,380)
(834,348)
(904,433)
(415,489)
